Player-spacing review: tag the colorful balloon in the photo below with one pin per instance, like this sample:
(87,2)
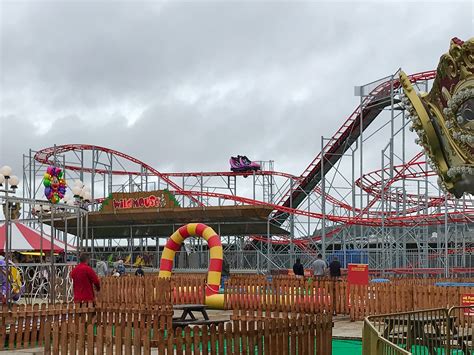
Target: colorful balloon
(55,184)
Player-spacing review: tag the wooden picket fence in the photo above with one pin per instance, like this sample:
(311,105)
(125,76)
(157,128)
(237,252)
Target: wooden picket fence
(25,326)
(140,328)
(395,298)
(335,288)
(279,294)
(181,288)
(427,280)
(297,334)
(132,290)
(137,316)
(320,328)
(82,338)
(188,288)
(288,293)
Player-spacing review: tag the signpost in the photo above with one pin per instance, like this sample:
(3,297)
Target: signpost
(358,274)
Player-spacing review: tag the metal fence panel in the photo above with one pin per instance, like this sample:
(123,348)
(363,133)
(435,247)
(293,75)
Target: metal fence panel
(434,331)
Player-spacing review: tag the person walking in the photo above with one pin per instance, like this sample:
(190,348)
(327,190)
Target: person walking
(102,269)
(298,268)
(120,267)
(139,271)
(335,273)
(335,268)
(319,266)
(84,280)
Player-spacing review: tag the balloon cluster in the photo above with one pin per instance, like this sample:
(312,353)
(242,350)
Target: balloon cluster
(54,184)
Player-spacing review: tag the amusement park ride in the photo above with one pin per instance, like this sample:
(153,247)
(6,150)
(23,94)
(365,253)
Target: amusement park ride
(381,205)
(241,164)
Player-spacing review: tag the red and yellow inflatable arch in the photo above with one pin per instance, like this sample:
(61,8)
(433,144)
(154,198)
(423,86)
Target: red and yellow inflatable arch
(213,298)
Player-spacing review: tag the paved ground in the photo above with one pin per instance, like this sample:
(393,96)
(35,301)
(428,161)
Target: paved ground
(345,329)
(218,314)
(35,351)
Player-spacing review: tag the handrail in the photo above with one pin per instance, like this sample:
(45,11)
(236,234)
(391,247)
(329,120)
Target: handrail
(374,343)
(441,329)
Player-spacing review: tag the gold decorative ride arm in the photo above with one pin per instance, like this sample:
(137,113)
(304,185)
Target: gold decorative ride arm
(444,118)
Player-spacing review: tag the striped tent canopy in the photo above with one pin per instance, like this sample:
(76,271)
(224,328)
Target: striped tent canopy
(25,238)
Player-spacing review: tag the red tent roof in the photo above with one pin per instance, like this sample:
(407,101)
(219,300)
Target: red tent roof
(25,238)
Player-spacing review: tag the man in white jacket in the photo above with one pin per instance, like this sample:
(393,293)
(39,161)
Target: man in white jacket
(102,269)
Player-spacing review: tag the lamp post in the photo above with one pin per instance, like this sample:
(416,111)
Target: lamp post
(9,183)
(82,194)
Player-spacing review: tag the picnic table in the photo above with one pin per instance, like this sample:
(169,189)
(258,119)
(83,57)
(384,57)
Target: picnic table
(188,309)
(188,317)
(426,331)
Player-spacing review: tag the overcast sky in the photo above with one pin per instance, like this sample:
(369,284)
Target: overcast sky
(184,85)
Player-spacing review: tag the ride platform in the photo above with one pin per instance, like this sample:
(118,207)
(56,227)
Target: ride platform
(162,222)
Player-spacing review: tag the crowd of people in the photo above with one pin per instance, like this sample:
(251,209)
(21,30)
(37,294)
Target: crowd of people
(117,270)
(319,267)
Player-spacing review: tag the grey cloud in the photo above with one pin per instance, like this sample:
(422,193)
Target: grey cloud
(184,85)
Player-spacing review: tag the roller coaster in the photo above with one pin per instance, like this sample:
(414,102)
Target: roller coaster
(395,212)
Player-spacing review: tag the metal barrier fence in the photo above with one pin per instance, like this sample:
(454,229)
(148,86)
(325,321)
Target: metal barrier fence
(434,331)
(374,344)
(45,283)
(260,261)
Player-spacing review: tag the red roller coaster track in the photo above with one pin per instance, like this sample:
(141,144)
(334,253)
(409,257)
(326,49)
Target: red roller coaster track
(307,182)
(340,142)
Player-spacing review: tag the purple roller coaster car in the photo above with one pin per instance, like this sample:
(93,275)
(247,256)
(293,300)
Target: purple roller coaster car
(242,163)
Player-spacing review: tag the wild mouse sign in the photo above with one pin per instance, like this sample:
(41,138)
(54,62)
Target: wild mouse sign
(122,201)
(358,274)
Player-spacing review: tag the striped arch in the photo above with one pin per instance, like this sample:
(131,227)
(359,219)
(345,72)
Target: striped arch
(215,249)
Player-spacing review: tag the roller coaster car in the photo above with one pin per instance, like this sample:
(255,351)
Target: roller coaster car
(241,164)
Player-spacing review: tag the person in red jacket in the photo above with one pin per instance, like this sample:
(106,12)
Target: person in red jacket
(84,279)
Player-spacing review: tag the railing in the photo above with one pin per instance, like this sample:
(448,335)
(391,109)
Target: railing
(45,282)
(259,261)
(432,331)
(374,343)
